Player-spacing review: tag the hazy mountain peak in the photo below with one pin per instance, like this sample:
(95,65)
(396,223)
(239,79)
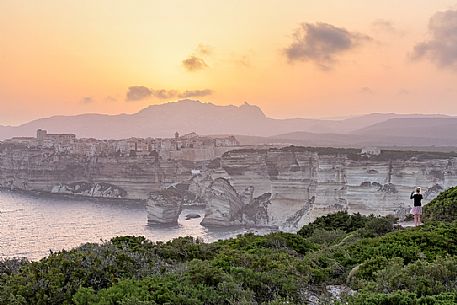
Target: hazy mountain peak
(189,106)
(188,115)
(252,110)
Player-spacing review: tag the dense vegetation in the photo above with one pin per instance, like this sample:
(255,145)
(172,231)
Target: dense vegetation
(443,207)
(369,258)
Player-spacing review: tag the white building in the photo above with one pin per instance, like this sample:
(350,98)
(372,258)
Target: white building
(371,150)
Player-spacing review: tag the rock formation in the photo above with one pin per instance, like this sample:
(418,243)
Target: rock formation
(105,190)
(285,187)
(297,185)
(224,205)
(282,183)
(164,206)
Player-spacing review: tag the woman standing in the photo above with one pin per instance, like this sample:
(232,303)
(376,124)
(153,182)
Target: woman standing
(417,209)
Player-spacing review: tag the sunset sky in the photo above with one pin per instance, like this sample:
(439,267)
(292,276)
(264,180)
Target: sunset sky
(322,58)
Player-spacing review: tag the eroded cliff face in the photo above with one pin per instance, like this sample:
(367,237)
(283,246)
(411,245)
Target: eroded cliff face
(164,206)
(383,187)
(282,188)
(298,186)
(279,185)
(133,177)
(224,204)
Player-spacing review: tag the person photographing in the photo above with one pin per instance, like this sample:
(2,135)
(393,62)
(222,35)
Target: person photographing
(417,209)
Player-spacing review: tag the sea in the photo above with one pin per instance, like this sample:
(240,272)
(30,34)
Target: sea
(32,226)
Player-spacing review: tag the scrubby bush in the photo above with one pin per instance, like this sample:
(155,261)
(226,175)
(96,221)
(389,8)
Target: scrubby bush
(326,237)
(12,265)
(401,298)
(443,207)
(386,264)
(342,221)
(337,221)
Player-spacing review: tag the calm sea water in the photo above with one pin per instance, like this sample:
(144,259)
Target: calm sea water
(31,227)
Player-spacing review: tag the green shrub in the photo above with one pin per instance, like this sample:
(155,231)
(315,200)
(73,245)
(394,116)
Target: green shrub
(337,221)
(378,226)
(326,237)
(443,207)
(401,298)
(369,225)
(387,265)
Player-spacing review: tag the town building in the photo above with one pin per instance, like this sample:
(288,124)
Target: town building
(371,151)
(62,141)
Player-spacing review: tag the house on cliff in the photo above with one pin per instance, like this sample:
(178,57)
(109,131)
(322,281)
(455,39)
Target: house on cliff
(371,151)
(60,141)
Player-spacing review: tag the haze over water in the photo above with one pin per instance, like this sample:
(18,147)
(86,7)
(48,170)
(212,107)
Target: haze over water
(31,227)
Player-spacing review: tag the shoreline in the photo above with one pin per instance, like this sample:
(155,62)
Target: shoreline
(44,194)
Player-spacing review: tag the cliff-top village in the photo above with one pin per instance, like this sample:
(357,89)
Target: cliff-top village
(176,147)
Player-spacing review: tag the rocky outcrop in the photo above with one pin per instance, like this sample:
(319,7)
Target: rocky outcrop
(105,190)
(276,184)
(302,185)
(224,205)
(164,206)
(276,188)
(197,188)
(255,210)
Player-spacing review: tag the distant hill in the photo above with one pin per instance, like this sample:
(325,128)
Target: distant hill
(187,116)
(163,120)
(350,140)
(359,122)
(442,128)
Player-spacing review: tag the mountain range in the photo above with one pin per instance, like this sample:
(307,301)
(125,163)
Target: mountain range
(252,126)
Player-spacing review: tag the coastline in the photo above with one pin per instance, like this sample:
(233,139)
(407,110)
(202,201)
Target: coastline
(44,194)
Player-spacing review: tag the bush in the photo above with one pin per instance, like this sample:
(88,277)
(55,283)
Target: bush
(326,237)
(378,226)
(342,221)
(443,207)
(401,298)
(388,266)
(337,221)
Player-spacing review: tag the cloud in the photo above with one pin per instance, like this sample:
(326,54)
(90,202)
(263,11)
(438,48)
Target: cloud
(366,90)
(194,63)
(164,94)
(196,93)
(321,43)
(87,100)
(136,93)
(168,94)
(204,50)
(382,25)
(441,48)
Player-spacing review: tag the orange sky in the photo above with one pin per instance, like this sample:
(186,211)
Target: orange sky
(292,58)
